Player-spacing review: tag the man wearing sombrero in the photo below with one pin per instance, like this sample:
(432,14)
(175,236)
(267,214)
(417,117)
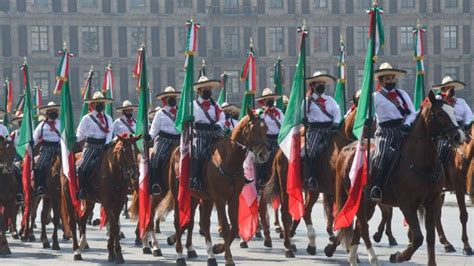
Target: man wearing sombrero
(165,137)
(229,112)
(273,117)
(17,160)
(95,129)
(208,119)
(126,124)
(395,113)
(48,137)
(3,129)
(323,115)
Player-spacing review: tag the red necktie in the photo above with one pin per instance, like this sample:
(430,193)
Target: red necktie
(450,101)
(101,118)
(322,102)
(392,95)
(173,111)
(51,125)
(130,122)
(206,105)
(227,123)
(273,112)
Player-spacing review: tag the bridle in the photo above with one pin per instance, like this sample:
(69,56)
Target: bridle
(249,147)
(124,168)
(444,131)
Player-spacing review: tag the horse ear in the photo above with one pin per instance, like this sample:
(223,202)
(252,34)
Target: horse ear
(450,93)
(432,96)
(250,113)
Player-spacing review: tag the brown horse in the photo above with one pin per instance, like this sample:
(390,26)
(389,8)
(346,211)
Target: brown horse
(8,187)
(117,165)
(410,179)
(222,183)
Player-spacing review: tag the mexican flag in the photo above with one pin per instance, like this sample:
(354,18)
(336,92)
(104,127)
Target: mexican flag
(8,86)
(278,82)
(37,103)
(249,75)
(108,89)
(144,213)
(86,94)
(340,94)
(183,121)
(25,144)
(248,203)
(289,138)
(419,55)
(223,94)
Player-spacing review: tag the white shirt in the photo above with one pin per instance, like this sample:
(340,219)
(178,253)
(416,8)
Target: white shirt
(200,117)
(385,110)
(89,129)
(120,128)
(273,128)
(232,123)
(43,132)
(315,114)
(162,122)
(3,131)
(462,112)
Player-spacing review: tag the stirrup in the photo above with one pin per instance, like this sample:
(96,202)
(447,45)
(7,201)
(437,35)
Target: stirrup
(20,199)
(155,190)
(195,184)
(41,191)
(312,183)
(82,194)
(376,194)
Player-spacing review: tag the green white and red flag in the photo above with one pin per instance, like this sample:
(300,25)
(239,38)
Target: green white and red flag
(63,71)
(419,56)
(340,93)
(278,81)
(19,105)
(248,203)
(108,89)
(223,94)
(87,94)
(249,76)
(37,103)
(8,87)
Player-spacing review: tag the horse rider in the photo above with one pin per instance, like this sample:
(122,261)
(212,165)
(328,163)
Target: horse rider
(322,117)
(95,129)
(47,136)
(208,121)
(285,103)
(165,137)
(17,161)
(395,113)
(229,112)
(273,118)
(126,124)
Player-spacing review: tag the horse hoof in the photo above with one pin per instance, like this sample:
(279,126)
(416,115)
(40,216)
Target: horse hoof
(86,247)
(449,248)
(218,248)
(157,230)
(147,250)
(282,235)
(220,234)
(278,229)
(157,253)
(293,248)
(395,258)
(122,235)
(15,235)
(138,242)
(329,250)
(170,241)
(32,238)
(258,234)
(229,264)
(467,251)
(119,259)
(192,254)
(211,262)
(77,257)
(111,257)
(201,233)
(34,226)
(268,243)
(289,254)
(311,250)
(377,237)
(65,237)
(46,245)
(5,251)
(181,262)
(23,239)
(392,241)
(332,238)
(244,245)
(56,246)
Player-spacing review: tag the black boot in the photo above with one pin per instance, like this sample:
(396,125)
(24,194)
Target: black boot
(195,183)
(310,174)
(82,184)
(39,176)
(19,198)
(376,188)
(155,188)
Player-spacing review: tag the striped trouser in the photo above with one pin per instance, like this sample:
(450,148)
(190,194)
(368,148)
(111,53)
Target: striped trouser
(46,155)
(202,143)
(90,159)
(318,140)
(385,138)
(162,149)
(264,170)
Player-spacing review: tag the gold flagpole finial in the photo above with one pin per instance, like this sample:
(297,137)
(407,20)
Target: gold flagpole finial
(341,40)
(304,25)
(25,61)
(251,43)
(64,45)
(92,67)
(375,2)
(109,65)
(204,63)
(418,25)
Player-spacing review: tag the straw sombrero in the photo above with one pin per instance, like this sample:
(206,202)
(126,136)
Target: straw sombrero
(126,105)
(169,92)
(99,97)
(16,120)
(50,106)
(2,112)
(205,82)
(448,81)
(285,100)
(387,69)
(152,113)
(321,77)
(268,94)
(232,108)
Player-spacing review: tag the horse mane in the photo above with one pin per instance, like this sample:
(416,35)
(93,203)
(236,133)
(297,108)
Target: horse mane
(239,127)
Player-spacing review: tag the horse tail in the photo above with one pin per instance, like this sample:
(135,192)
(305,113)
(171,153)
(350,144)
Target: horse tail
(165,206)
(345,235)
(134,206)
(64,213)
(343,165)
(272,187)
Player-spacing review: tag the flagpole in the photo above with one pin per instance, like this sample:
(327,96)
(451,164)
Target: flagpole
(305,101)
(252,95)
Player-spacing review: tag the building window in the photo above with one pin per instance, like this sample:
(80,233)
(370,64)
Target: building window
(182,32)
(276,3)
(365,3)
(360,77)
(231,6)
(185,3)
(232,42)
(409,80)
(362,38)
(40,2)
(138,37)
(450,37)
(39,38)
(320,3)
(320,39)
(453,72)
(276,39)
(90,39)
(41,79)
(406,38)
(408,3)
(137,4)
(234,91)
(88,3)
(451,3)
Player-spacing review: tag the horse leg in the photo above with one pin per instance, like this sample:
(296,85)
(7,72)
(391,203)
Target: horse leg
(233,212)
(189,236)
(311,199)
(56,219)
(463,216)
(4,249)
(222,217)
(113,217)
(276,223)
(156,246)
(328,203)
(432,212)
(411,218)
(448,247)
(205,224)
(83,244)
(125,210)
(262,212)
(44,220)
(365,211)
(286,220)
(388,228)
(180,260)
(380,229)
(138,240)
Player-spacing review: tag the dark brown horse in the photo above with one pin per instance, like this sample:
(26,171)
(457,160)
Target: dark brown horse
(8,187)
(410,180)
(222,183)
(110,182)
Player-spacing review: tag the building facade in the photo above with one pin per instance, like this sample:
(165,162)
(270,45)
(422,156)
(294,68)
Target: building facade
(103,31)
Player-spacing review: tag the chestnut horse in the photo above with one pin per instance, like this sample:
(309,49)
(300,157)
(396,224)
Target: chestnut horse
(8,187)
(222,183)
(410,180)
(110,182)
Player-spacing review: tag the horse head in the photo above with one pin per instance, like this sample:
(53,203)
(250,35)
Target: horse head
(252,131)
(439,116)
(126,154)
(7,151)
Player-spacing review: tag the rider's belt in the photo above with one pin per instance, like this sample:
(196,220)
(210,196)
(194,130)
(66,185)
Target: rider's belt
(320,124)
(202,126)
(392,123)
(50,143)
(95,141)
(168,135)
(272,137)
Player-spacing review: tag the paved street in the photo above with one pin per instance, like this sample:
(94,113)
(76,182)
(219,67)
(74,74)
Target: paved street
(33,254)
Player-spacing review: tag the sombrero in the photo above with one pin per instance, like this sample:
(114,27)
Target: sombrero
(205,82)
(50,106)
(448,81)
(2,112)
(285,100)
(127,105)
(99,97)
(151,114)
(16,120)
(321,77)
(169,92)
(232,108)
(387,69)
(268,94)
